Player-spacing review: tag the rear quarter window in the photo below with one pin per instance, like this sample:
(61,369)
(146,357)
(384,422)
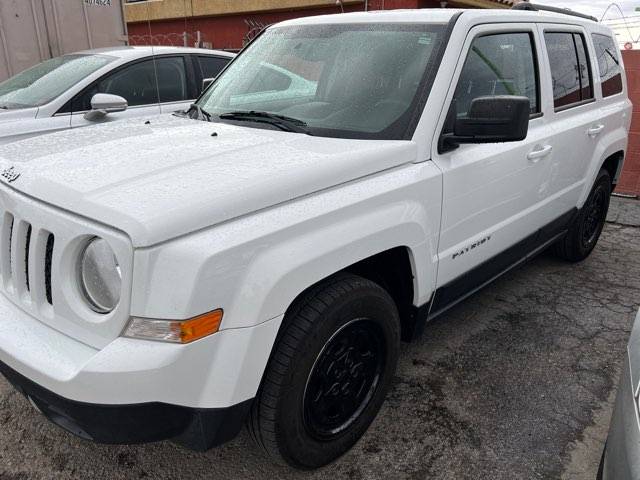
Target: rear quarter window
(570,69)
(608,64)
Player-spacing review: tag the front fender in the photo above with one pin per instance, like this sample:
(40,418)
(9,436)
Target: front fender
(254,267)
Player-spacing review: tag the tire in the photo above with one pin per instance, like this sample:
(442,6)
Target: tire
(328,374)
(585,230)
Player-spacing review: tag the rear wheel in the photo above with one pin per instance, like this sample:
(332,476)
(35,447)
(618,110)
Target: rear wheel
(585,231)
(329,372)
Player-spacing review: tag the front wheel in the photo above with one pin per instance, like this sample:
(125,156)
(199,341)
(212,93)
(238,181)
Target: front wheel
(329,372)
(585,231)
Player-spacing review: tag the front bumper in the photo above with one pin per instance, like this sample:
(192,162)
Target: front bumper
(218,371)
(198,429)
(135,391)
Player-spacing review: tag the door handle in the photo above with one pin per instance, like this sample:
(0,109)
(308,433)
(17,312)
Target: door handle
(596,130)
(540,152)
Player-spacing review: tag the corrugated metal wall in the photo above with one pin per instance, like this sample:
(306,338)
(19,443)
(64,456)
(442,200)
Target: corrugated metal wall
(33,30)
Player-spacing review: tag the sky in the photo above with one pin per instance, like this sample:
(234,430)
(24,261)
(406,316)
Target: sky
(626,30)
(595,7)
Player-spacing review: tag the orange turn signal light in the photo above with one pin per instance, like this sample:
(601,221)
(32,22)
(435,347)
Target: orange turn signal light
(201,326)
(174,331)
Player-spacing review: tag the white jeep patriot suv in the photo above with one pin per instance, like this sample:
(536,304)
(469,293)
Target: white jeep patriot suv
(259,258)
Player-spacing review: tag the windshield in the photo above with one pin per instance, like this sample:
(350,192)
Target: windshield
(350,81)
(47,80)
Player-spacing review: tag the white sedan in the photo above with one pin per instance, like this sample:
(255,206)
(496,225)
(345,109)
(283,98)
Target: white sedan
(104,85)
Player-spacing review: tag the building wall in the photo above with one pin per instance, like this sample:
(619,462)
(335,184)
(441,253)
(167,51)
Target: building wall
(31,32)
(168,9)
(222,23)
(630,179)
(222,32)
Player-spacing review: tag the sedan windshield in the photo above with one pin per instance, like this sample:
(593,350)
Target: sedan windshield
(47,80)
(341,80)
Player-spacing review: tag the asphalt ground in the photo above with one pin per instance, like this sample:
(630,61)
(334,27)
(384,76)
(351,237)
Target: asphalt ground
(517,382)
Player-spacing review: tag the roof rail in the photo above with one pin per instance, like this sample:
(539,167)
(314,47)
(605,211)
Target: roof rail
(534,7)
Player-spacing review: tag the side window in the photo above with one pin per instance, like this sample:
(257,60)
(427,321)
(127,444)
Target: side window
(499,64)
(608,65)
(211,66)
(136,83)
(172,79)
(584,67)
(570,69)
(269,80)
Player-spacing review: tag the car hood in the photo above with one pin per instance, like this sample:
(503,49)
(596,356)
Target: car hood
(17,114)
(166,176)
(18,123)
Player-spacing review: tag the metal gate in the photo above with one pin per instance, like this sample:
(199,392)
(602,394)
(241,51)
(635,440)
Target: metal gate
(34,30)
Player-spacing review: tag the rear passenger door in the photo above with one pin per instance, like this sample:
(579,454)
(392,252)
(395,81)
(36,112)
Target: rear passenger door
(493,194)
(573,113)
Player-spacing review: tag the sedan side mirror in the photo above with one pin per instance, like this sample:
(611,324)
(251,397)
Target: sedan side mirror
(206,82)
(104,103)
(497,119)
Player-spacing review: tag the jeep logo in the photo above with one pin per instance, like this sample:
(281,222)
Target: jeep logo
(10,174)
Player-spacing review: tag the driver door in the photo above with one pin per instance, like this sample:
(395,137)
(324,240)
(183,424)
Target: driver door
(493,194)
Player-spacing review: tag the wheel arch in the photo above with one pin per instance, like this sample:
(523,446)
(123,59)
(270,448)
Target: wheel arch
(608,154)
(613,164)
(395,271)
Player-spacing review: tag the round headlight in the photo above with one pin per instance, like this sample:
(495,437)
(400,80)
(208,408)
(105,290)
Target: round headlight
(100,276)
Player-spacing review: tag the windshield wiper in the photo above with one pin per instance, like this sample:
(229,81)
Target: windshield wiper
(196,112)
(283,122)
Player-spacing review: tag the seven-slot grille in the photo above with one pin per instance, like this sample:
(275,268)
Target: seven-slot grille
(25,259)
(39,250)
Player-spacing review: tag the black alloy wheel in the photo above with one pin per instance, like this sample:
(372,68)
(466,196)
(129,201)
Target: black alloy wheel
(344,378)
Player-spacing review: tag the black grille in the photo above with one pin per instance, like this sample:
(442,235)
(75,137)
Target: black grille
(10,272)
(26,257)
(47,267)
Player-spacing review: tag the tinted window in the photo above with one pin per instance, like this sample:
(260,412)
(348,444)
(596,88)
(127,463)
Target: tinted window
(502,64)
(136,83)
(211,66)
(270,80)
(172,79)
(608,65)
(584,67)
(570,69)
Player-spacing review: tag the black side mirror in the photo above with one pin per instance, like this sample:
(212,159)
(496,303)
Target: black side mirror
(495,119)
